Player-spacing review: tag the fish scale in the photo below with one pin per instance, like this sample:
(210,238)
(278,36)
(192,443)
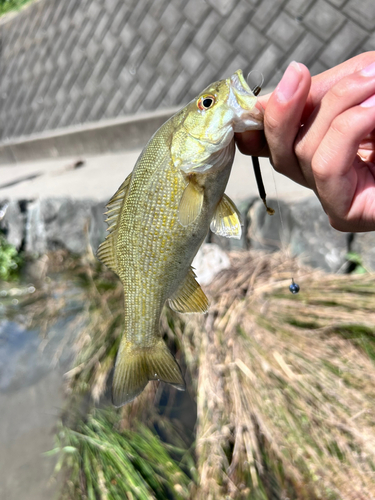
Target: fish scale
(143,237)
(159,218)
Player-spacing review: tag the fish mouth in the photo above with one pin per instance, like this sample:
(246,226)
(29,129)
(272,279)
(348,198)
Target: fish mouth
(239,83)
(249,113)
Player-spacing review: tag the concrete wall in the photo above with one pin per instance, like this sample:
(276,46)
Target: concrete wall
(67,62)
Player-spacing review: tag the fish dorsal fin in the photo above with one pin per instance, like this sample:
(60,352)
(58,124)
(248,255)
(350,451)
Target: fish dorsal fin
(191,203)
(190,297)
(106,251)
(226,220)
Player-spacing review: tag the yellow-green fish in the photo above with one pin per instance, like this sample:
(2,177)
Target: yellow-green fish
(160,216)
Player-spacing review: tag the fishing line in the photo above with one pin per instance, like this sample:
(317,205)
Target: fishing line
(258,77)
(255,81)
(294,287)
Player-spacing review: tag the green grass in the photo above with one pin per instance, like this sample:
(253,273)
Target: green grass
(103,460)
(361,336)
(12,5)
(10,260)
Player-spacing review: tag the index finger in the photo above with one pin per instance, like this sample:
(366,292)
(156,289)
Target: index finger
(320,84)
(324,81)
(254,142)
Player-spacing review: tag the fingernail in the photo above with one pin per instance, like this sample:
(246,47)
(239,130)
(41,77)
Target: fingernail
(289,83)
(368,103)
(369,70)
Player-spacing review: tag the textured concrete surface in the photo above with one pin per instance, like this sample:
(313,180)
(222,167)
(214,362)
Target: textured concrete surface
(114,135)
(100,176)
(305,230)
(78,61)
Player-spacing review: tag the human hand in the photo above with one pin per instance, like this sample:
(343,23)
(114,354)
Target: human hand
(333,152)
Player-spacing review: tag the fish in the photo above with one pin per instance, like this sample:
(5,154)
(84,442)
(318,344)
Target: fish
(160,216)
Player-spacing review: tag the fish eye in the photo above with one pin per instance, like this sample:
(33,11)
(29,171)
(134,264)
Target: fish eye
(206,102)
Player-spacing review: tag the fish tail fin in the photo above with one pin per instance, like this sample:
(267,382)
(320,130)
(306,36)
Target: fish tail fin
(135,366)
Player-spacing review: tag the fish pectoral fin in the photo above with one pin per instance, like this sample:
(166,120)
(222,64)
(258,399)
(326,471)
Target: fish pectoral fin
(106,251)
(190,297)
(190,204)
(135,366)
(226,220)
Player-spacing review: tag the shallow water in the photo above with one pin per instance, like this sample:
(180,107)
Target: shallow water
(31,398)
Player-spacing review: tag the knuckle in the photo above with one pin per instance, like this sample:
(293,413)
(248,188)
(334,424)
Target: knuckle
(340,125)
(299,148)
(277,165)
(271,124)
(339,90)
(343,91)
(319,167)
(301,145)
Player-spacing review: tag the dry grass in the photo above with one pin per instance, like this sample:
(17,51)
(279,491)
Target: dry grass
(286,384)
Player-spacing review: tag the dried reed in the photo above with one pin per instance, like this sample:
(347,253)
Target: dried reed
(286,384)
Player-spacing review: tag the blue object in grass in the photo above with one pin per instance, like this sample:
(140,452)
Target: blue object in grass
(294,288)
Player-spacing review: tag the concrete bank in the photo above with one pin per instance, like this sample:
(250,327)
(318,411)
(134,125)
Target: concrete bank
(118,134)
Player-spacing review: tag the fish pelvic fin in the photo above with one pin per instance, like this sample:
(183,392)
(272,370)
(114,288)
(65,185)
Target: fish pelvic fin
(107,250)
(190,297)
(135,366)
(190,204)
(226,220)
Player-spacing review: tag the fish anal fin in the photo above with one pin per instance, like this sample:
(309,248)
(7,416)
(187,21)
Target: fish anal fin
(190,297)
(135,366)
(106,251)
(190,204)
(226,220)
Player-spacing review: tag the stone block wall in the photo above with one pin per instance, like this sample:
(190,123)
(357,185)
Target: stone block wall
(66,62)
(41,226)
